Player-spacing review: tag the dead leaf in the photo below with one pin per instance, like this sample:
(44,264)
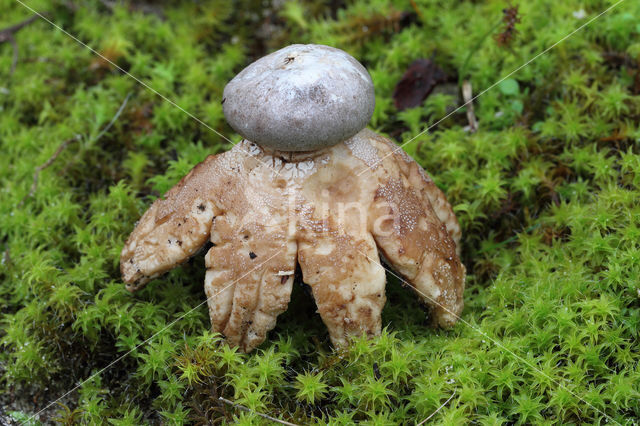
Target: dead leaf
(417,83)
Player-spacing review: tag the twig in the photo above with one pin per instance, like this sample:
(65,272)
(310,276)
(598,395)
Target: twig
(463,70)
(7,34)
(14,59)
(439,408)
(63,146)
(115,117)
(44,165)
(467,95)
(243,408)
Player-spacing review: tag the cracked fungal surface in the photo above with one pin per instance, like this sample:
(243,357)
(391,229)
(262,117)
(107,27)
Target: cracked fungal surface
(332,211)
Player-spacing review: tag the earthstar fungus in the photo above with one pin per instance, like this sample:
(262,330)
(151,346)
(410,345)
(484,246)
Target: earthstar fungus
(293,192)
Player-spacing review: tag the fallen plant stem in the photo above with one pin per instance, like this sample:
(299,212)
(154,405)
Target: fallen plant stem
(438,409)
(463,69)
(14,59)
(64,145)
(41,167)
(243,408)
(8,32)
(7,35)
(115,117)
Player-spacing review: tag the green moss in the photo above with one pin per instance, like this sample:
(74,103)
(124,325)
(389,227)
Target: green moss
(546,192)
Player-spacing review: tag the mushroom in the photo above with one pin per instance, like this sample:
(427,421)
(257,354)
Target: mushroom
(309,186)
(300,98)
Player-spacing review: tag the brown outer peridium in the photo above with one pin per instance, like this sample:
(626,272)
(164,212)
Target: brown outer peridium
(266,212)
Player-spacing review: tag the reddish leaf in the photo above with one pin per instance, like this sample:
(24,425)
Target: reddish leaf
(417,83)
